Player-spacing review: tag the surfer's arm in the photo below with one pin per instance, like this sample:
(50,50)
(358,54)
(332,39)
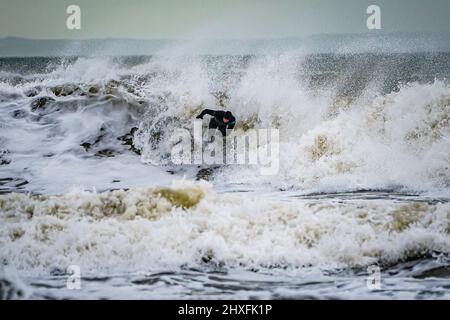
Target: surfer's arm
(206,111)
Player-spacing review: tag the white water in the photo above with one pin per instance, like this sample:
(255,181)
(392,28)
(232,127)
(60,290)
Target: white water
(330,142)
(142,229)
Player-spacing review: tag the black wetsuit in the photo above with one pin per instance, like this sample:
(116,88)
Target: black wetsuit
(217,120)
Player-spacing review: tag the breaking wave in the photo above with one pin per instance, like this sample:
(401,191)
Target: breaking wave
(83,177)
(346,122)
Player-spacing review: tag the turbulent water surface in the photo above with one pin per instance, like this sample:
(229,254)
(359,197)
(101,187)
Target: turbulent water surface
(363,180)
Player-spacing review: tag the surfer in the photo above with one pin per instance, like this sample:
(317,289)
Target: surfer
(222,120)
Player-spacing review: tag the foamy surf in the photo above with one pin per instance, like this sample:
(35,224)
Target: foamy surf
(189,224)
(363,178)
(373,134)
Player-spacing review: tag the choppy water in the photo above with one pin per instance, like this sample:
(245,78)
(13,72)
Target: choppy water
(423,279)
(363,177)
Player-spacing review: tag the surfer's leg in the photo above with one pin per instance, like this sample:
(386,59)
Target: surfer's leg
(213,124)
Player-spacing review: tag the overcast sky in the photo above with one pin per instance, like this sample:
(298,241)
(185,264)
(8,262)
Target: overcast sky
(241,19)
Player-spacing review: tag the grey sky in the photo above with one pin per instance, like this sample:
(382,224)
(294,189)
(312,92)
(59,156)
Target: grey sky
(168,19)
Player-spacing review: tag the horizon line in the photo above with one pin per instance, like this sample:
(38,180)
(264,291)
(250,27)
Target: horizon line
(366,33)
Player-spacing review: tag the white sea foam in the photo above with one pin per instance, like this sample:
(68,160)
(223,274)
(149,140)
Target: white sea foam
(397,140)
(329,141)
(190,225)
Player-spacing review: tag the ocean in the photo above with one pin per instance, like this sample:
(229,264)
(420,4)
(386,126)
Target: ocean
(358,208)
